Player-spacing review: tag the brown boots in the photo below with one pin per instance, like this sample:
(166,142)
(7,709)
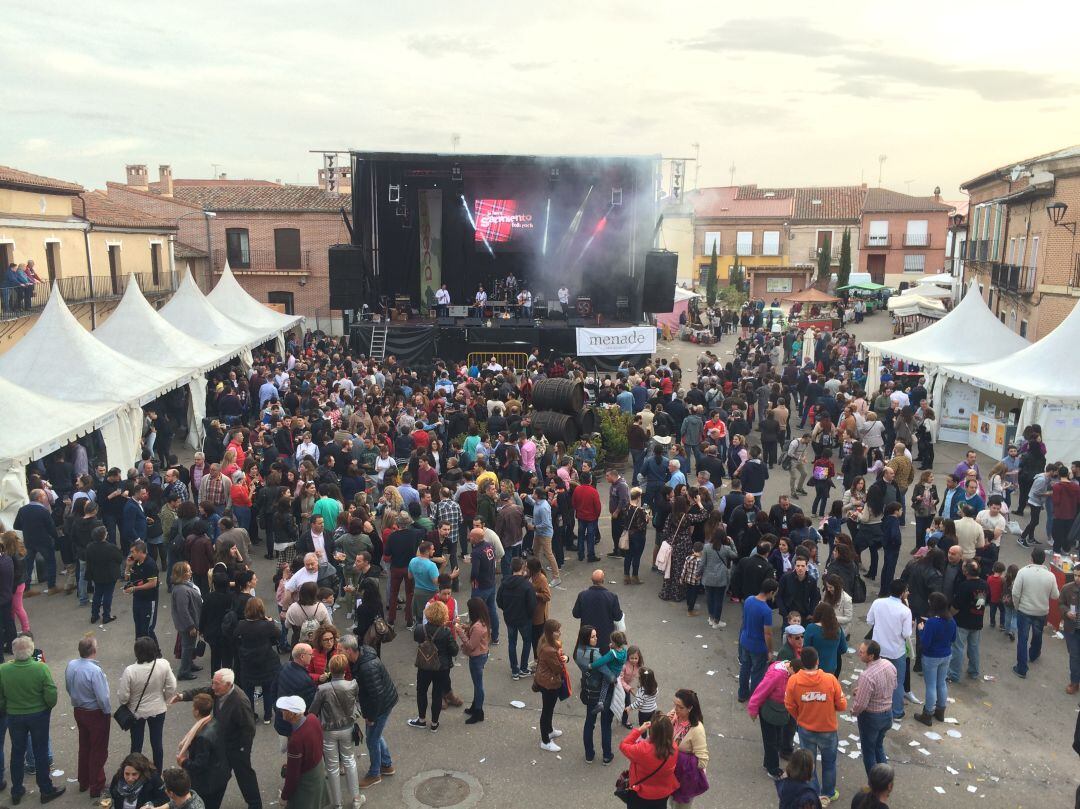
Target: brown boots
(451,700)
(928,718)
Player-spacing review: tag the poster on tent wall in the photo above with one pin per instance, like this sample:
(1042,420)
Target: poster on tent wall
(959,402)
(1061,432)
(613,342)
(430,219)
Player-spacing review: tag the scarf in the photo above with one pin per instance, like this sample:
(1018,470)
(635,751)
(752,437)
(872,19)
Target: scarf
(126,790)
(189,737)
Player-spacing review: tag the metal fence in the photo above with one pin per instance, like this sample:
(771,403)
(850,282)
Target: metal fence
(78,289)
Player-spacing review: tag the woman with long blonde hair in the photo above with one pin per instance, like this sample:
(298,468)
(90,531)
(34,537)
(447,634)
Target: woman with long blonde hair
(13,547)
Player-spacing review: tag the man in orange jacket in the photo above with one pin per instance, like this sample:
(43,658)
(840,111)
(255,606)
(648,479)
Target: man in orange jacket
(813,697)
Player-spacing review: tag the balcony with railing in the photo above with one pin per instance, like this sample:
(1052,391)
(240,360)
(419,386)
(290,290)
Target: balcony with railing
(978,250)
(1012,278)
(834,254)
(82,289)
(916,240)
(263,260)
(879,240)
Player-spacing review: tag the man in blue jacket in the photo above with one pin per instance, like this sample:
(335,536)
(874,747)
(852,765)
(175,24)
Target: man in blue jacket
(133,519)
(35,520)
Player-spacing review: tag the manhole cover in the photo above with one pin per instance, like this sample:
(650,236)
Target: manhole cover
(442,789)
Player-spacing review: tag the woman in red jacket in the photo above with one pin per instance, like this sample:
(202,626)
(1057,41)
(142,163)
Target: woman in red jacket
(652,763)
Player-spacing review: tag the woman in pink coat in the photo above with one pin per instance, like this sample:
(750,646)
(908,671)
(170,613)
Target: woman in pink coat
(766,707)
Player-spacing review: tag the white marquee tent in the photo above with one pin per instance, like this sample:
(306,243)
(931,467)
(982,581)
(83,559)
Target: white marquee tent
(136,330)
(233,301)
(190,312)
(1044,378)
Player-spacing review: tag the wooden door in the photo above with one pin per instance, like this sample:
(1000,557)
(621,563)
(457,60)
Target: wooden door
(875,265)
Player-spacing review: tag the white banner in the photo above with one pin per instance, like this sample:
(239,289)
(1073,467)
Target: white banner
(615,342)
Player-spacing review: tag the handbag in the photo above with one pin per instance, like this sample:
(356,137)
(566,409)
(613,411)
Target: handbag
(357,734)
(624,537)
(773,713)
(200,647)
(565,689)
(624,790)
(124,716)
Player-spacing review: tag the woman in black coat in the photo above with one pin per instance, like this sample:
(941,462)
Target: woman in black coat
(256,650)
(137,779)
(368,609)
(202,753)
(216,604)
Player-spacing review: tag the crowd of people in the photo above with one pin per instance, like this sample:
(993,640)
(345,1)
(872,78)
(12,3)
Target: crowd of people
(376,488)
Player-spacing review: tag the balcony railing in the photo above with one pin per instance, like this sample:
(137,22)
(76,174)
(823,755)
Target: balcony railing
(878,240)
(1012,277)
(815,251)
(916,240)
(79,289)
(263,260)
(978,250)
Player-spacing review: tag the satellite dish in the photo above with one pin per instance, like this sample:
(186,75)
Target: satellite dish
(1017,172)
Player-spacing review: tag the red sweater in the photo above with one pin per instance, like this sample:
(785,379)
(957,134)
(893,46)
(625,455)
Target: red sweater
(643,761)
(304,753)
(586,502)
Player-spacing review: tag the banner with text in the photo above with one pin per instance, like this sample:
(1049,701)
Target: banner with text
(430,244)
(613,342)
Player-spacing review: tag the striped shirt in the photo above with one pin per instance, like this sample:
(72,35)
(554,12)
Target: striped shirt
(874,691)
(646,703)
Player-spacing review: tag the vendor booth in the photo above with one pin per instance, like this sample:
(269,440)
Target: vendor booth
(873,295)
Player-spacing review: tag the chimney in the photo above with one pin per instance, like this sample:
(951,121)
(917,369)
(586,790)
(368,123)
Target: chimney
(937,193)
(137,178)
(165,176)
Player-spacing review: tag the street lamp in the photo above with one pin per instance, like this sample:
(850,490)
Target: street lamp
(1056,211)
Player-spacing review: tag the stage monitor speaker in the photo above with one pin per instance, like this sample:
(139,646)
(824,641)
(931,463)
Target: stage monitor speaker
(576,321)
(346,277)
(457,311)
(473,321)
(444,321)
(661,267)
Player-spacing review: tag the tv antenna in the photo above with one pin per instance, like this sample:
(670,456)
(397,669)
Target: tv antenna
(455,141)
(215,167)
(731,173)
(881,158)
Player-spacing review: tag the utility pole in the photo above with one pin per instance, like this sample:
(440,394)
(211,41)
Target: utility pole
(731,173)
(697,162)
(215,167)
(881,167)
(455,141)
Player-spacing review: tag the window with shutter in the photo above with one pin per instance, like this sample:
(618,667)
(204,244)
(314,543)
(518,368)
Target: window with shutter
(287,248)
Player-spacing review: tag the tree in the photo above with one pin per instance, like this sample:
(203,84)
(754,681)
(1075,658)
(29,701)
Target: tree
(710,282)
(823,259)
(734,294)
(843,273)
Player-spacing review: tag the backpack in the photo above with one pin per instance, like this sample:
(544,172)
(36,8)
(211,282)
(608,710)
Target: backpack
(427,654)
(379,632)
(591,683)
(309,626)
(230,622)
(820,472)
(858,586)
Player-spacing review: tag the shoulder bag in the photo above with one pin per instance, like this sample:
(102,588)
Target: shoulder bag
(624,790)
(624,537)
(124,716)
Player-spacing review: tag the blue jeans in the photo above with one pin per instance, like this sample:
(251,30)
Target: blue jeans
(714,597)
(872,730)
(899,664)
(934,671)
(48,554)
(587,533)
(476,671)
(525,633)
(752,667)
(606,718)
(33,727)
(1072,641)
(638,456)
(825,744)
(488,595)
(1025,625)
(969,638)
(632,560)
(80,568)
(510,554)
(1009,622)
(102,602)
(157,731)
(378,751)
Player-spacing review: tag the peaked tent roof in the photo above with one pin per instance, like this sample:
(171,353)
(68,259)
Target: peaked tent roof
(810,295)
(190,312)
(1041,370)
(968,334)
(45,422)
(159,342)
(79,367)
(233,301)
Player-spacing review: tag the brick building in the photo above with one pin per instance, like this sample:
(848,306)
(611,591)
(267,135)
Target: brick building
(1027,264)
(275,237)
(903,237)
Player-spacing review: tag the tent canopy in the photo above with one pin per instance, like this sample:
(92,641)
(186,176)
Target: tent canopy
(45,422)
(158,342)
(233,301)
(926,291)
(968,334)
(1040,371)
(60,359)
(190,312)
(866,286)
(810,295)
(906,305)
(684,294)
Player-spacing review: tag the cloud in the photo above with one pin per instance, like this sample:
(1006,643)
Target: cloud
(529,65)
(793,36)
(109,146)
(36,144)
(439,45)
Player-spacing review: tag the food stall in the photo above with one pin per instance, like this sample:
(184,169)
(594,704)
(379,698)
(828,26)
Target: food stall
(812,308)
(873,295)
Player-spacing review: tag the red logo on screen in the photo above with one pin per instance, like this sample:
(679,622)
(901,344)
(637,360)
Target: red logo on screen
(497,219)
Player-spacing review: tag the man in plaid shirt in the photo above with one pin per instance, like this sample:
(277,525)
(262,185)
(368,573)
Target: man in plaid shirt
(872,703)
(173,486)
(448,511)
(214,489)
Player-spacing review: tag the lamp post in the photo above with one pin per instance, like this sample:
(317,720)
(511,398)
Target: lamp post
(1056,211)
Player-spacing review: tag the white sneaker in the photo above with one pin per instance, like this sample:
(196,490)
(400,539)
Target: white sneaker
(556,582)
(712,624)
(359,801)
(910,697)
(555,734)
(551,747)
(721,625)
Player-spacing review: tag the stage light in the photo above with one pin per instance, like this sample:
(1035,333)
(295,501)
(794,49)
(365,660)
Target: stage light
(601,224)
(554,173)
(547,221)
(455,174)
(472,222)
(395,193)
(616,196)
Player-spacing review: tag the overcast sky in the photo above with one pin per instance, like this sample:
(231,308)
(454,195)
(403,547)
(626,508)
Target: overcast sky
(799,94)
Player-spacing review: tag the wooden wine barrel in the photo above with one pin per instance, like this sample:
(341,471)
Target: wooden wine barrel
(587,421)
(561,395)
(556,426)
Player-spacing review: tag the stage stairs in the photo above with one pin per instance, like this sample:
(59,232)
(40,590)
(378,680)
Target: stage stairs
(378,343)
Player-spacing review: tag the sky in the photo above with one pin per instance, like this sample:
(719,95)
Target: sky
(797,94)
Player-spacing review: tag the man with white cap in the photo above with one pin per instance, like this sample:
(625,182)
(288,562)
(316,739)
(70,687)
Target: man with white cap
(305,773)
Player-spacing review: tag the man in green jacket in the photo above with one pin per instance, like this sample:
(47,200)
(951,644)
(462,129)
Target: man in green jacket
(27,696)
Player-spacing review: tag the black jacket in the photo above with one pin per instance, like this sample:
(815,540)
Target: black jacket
(922,579)
(749,574)
(80,535)
(599,608)
(36,523)
(377,691)
(517,599)
(234,714)
(103,562)
(306,544)
(443,639)
(293,680)
(215,605)
(207,763)
(152,792)
(793,594)
(256,650)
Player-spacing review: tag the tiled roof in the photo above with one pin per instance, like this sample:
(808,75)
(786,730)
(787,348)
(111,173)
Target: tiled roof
(262,198)
(124,187)
(994,174)
(156,188)
(882,200)
(838,202)
(753,192)
(182,250)
(98,209)
(14,178)
(723,203)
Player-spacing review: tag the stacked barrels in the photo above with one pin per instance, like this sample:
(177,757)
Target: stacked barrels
(560,410)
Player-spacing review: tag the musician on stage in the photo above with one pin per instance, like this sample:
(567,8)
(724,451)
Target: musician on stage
(511,286)
(564,299)
(524,300)
(442,301)
(481,301)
